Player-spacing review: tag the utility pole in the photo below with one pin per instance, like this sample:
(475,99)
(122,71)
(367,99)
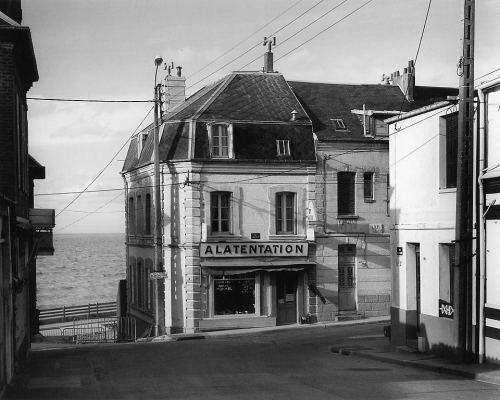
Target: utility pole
(159,303)
(465,184)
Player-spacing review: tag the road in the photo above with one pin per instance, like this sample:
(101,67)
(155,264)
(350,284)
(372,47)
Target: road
(291,364)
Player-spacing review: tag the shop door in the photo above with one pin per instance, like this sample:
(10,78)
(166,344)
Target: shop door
(286,293)
(347,277)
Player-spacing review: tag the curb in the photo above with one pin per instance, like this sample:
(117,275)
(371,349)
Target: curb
(442,369)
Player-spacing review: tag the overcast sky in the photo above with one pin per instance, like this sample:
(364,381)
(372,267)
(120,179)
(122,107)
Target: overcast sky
(94,49)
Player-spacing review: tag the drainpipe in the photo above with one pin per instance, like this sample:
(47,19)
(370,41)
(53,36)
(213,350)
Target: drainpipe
(481,236)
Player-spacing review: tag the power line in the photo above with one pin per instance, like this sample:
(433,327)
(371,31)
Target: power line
(258,44)
(88,100)
(107,165)
(93,212)
(248,37)
(325,29)
(489,73)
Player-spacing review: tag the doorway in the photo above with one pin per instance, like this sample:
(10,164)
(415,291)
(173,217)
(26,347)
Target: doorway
(347,277)
(413,291)
(286,295)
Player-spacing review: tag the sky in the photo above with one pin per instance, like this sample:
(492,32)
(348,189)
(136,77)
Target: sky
(94,49)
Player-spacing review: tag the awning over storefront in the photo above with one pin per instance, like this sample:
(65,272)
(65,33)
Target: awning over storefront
(242,266)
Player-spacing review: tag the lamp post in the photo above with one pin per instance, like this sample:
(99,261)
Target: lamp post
(159,314)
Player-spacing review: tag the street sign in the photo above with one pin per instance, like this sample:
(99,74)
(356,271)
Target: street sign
(158,275)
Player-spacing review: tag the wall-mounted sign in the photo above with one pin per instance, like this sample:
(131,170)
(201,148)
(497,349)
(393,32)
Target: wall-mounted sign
(376,228)
(446,309)
(399,251)
(158,275)
(252,249)
(255,236)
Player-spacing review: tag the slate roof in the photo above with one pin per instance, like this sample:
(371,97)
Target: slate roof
(325,101)
(258,105)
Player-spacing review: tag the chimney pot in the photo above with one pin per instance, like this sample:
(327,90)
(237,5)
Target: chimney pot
(179,71)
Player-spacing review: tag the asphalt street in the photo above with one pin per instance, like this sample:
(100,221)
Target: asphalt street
(288,364)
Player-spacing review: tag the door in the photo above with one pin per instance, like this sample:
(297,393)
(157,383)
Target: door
(347,277)
(286,294)
(417,282)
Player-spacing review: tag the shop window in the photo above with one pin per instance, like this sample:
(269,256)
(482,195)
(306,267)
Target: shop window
(368,186)
(220,205)
(285,213)
(446,266)
(346,195)
(234,294)
(220,137)
(448,150)
(147,218)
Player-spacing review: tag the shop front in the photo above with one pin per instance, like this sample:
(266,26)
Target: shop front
(253,284)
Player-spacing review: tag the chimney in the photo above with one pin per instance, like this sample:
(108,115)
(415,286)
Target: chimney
(405,81)
(174,90)
(268,57)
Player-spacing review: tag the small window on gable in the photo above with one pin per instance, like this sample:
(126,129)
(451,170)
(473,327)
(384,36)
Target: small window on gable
(338,124)
(221,141)
(283,148)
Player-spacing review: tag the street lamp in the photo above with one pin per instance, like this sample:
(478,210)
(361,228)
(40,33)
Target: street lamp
(159,324)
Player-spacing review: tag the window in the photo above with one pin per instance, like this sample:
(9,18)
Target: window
(283,148)
(368,186)
(446,265)
(220,143)
(147,218)
(139,221)
(285,213)
(131,216)
(448,144)
(338,124)
(379,127)
(346,197)
(220,204)
(234,294)
(140,282)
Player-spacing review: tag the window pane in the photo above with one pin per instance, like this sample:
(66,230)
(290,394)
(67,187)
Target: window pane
(368,185)
(346,193)
(220,211)
(285,212)
(234,294)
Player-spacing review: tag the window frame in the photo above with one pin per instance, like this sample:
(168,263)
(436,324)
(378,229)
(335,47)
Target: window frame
(339,124)
(219,220)
(283,148)
(351,212)
(283,208)
(369,184)
(131,216)
(214,134)
(147,214)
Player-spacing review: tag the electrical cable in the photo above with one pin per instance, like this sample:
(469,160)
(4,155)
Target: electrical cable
(243,40)
(107,165)
(91,213)
(257,45)
(325,29)
(89,100)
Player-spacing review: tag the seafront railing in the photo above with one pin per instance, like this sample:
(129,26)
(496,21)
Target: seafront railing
(71,313)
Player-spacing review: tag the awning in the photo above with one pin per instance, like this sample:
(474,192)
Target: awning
(242,266)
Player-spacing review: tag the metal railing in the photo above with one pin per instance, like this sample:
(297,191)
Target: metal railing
(71,313)
(98,330)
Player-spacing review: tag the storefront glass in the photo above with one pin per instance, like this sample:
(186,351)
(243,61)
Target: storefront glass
(234,294)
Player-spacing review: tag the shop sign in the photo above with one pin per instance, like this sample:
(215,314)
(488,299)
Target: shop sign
(158,275)
(446,309)
(252,249)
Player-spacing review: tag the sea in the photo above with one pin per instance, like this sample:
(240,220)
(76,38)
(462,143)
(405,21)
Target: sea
(85,268)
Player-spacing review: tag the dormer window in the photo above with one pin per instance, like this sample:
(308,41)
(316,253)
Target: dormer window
(283,148)
(221,140)
(338,124)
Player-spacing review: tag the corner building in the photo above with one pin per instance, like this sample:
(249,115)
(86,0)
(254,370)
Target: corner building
(238,171)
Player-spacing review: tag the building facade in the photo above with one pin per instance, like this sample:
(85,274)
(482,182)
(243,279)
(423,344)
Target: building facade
(19,238)
(238,180)
(487,295)
(423,176)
